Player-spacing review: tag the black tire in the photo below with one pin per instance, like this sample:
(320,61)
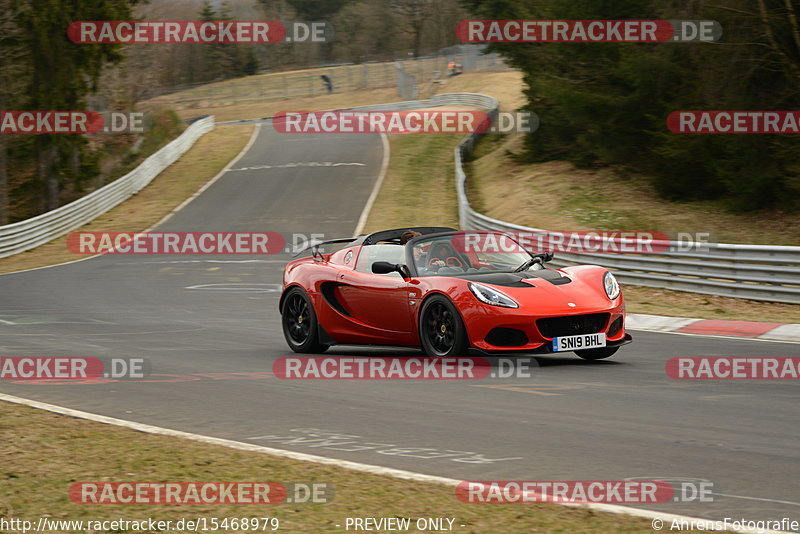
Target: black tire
(597,354)
(441,330)
(300,323)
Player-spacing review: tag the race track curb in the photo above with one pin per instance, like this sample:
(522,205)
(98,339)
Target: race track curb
(714,327)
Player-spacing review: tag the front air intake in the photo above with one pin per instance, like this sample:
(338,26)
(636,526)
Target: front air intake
(572,325)
(506,337)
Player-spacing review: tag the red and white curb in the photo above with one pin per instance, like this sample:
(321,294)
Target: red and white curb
(714,327)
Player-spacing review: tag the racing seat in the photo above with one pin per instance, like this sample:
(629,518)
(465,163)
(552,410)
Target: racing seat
(443,250)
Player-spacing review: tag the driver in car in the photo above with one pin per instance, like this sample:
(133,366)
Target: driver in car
(419,254)
(438,260)
(408,235)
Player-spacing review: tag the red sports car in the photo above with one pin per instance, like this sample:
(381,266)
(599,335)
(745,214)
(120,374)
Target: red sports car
(449,292)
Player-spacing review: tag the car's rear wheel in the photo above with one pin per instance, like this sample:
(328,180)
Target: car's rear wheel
(441,330)
(300,323)
(597,354)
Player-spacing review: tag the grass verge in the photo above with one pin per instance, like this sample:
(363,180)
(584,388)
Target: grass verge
(44,453)
(177,183)
(289,85)
(266,108)
(656,301)
(419,188)
(557,195)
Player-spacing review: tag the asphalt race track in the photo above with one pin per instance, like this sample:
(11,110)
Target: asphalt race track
(197,319)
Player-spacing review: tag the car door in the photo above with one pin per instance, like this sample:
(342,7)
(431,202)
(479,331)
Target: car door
(377,300)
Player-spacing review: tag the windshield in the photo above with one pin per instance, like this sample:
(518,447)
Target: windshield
(467,252)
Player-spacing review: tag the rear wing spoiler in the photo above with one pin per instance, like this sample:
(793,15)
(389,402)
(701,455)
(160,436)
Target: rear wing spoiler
(315,245)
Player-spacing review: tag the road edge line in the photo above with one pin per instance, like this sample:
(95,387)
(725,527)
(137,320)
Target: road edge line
(226,168)
(362,220)
(165,217)
(345,464)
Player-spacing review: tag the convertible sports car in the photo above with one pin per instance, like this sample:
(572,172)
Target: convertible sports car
(449,292)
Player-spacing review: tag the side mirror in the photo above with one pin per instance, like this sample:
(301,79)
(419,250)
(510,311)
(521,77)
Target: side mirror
(384,267)
(547,256)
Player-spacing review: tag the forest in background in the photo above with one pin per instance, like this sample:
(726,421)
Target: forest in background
(599,104)
(606,104)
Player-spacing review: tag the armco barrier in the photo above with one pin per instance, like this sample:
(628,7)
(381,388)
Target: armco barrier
(757,272)
(30,233)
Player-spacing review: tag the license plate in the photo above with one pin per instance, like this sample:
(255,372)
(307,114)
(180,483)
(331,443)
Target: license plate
(582,342)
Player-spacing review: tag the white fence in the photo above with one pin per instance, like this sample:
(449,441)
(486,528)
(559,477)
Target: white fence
(30,233)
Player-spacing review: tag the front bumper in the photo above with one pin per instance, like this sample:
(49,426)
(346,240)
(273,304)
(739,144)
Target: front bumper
(518,330)
(545,348)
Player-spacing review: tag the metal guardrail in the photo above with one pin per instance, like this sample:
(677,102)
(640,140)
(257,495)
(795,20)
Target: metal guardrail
(30,233)
(757,272)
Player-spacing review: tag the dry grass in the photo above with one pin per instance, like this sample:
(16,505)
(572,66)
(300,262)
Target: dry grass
(505,86)
(290,85)
(507,92)
(556,195)
(681,304)
(419,188)
(42,454)
(251,110)
(178,182)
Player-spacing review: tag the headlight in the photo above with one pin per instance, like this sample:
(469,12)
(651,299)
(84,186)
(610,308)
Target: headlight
(611,285)
(492,296)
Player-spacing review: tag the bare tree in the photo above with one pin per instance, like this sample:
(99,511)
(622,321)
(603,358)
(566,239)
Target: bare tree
(11,73)
(367,24)
(445,14)
(788,48)
(414,15)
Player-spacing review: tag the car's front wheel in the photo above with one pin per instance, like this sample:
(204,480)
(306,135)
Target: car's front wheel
(441,330)
(597,354)
(300,323)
